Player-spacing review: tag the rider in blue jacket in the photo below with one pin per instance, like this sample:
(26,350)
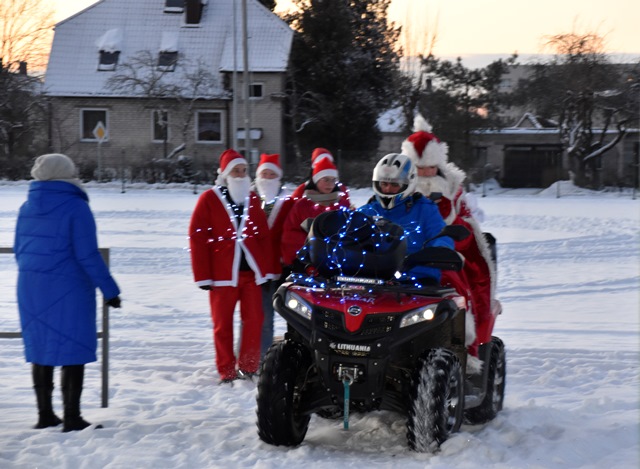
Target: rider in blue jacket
(59,269)
(394,183)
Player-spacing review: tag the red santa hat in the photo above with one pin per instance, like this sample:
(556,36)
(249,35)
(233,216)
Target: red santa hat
(271,162)
(324,168)
(319,154)
(423,147)
(228,160)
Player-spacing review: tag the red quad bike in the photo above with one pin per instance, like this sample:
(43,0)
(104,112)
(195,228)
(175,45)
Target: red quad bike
(359,340)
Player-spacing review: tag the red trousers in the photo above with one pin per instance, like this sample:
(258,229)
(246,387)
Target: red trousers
(223,303)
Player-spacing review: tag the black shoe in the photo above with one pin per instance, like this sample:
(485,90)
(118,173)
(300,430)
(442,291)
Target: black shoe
(48,420)
(74,424)
(247,375)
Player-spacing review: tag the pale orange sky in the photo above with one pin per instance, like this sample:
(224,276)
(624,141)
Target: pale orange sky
(466,27)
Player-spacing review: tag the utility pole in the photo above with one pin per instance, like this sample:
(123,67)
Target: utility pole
(247,113)
(234,81)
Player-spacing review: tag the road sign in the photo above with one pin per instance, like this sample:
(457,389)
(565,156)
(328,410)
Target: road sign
(100,132)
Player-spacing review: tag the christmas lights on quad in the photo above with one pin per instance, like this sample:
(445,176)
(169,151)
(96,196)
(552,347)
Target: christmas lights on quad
(358,340)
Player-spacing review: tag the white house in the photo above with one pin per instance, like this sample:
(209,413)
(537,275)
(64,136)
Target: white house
(176,63)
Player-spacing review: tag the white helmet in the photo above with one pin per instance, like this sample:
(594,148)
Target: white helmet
(394,168)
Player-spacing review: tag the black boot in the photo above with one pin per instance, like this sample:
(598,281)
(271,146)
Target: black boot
(43,386)
(72,382)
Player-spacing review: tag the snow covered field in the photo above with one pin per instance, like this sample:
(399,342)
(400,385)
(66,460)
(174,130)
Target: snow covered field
(569,285)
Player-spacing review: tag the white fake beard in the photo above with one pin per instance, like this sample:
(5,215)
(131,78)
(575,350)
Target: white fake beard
(427,185)
(268,188)
(239,188)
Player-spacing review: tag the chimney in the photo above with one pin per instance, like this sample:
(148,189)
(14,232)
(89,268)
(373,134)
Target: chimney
(23,68)
(193,13)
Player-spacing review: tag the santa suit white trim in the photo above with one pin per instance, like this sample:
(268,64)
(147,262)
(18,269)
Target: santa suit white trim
(485,250)
(220,267)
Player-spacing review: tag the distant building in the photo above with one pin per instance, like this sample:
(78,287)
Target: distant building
(528,153)
(179,38)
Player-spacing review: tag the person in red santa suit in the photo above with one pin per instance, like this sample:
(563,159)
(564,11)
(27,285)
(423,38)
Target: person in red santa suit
(230,257)
(317,156)
(276,204)
(438,176)
(321,194)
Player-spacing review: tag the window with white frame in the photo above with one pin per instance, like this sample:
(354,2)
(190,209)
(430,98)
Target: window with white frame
(160,125)
(209,126)
(89,119)
(256,91)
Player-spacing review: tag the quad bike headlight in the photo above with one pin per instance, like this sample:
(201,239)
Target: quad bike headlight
(417,316)
(297,304)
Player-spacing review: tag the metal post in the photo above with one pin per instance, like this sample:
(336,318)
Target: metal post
(104,334)
(105,341)
(247,110)
(637,184)
(559,175)
(100,161)
(234,81)
(123,171)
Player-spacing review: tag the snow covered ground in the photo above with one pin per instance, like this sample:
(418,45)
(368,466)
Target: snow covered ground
(568,282)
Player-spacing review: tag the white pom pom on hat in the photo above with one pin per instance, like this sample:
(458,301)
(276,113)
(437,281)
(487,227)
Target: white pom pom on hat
(423,147)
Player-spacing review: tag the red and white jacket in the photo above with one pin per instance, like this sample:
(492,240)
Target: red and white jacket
(277,217)
(217,241)
(293,235)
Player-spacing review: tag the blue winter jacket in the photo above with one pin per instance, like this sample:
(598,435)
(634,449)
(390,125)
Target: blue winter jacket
(421,221)
(59,268)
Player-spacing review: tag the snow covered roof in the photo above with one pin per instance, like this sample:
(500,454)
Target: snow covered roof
(129,27)
(392,121)
(530,121)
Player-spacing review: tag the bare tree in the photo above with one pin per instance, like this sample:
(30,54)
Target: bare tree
(595,99)
(26,32)
(157,87)
(22,122)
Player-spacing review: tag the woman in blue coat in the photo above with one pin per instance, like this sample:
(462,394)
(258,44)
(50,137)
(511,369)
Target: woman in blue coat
(394,183)
(59,269)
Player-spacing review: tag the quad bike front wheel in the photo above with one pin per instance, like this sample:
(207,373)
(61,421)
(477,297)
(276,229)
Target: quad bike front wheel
(437,400)
(280,420)
(496,381)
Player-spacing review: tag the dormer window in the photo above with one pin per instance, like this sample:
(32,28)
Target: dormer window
(108,61)
(173,6)
(109,47)
(167,61)
(168,56)
(193,14)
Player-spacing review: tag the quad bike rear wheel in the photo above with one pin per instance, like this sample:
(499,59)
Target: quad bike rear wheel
(280,420)
(437,401)
(496,381)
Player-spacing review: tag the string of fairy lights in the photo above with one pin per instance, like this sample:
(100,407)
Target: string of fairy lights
(345,254)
